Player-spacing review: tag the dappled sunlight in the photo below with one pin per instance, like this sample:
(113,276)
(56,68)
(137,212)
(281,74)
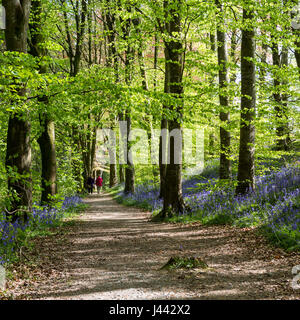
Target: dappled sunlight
(116,253)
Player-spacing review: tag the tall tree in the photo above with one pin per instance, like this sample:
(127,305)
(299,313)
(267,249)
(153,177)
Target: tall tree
(225,163)
(280,60)
(112,62)
(296,32)
(147,119)
(246,168)
(74,46)
(46,140)
(163,124)
(18,152)
(174,55)
(121,166)
(212,137)
(84,135)
(129,56)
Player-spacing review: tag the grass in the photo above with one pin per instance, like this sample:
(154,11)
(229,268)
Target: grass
(283,238)
(184,263)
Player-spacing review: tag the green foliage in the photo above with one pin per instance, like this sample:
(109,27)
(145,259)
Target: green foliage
(98,93)
(185,263)
(285,238)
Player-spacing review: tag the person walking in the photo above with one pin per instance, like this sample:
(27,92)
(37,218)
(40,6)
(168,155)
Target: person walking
(90,184)
(99,183)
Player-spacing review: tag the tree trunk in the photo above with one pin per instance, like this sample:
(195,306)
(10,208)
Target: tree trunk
(129,169)
(47,146)
(76,162)
(88,145)
(173,199)
(225,163)
(246,167)
(233,59)
(296,32)
(162,159)
(113,179)
(18,152)
(121,166)
(155,61)
(147,119)
(121,173)
(262,70)
(297,50)
(112,63)
(89,20)
(80,26)
(74,51)
(163,144)
(212,137)
(282,129)
(46,140)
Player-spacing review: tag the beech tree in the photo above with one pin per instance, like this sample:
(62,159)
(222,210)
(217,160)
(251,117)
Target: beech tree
(172,196)
(18,149)
(246,166)
(46,140)
(225,163)
(128,64)
(112,62)
(280,60)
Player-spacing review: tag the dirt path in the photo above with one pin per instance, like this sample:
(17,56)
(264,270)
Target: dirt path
(114,252)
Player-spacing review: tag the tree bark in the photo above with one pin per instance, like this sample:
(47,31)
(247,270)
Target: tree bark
(18,151)
(129,169)
(296,32)
(80,30)
(46,140)
(112,63)
(225,163)
(155,60)
(121,166)
(74,51)
(246,167)
(113,179)
(87,143)
(212,137)
(162,159)
(282,129)
(163,144)
(47,146)
(173,199)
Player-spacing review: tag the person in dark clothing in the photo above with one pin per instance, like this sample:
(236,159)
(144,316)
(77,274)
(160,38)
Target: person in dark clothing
(90,184)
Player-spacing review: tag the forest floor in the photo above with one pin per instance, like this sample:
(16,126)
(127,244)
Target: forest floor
(115,252)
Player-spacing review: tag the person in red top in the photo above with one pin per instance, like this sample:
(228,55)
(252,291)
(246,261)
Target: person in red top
(99,183)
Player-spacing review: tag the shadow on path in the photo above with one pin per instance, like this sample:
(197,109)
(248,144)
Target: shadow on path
(115,252)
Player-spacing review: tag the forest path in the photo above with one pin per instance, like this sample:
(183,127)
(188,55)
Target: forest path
(114,252)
